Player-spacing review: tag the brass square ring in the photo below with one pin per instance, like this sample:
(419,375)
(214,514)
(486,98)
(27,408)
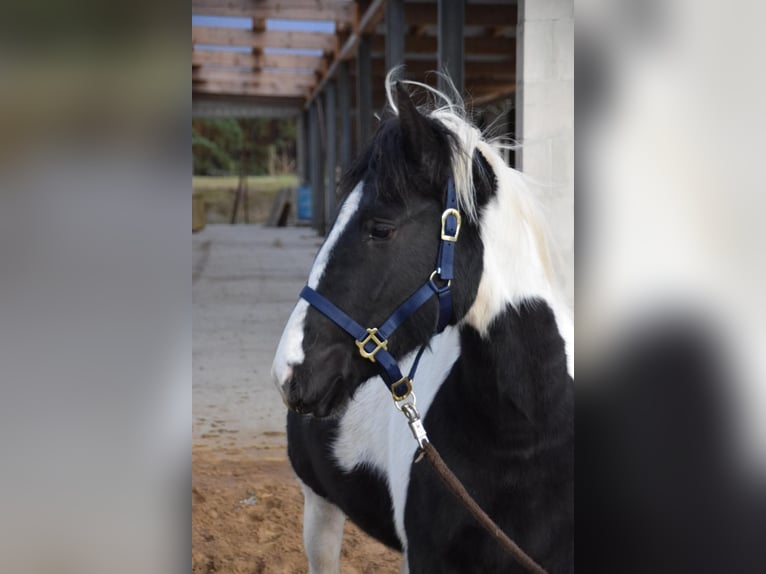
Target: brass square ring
(371,337)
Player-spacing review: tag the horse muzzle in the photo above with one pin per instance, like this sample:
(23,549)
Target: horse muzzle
(321,385)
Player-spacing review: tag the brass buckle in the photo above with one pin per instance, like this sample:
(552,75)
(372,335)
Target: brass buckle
(445,215)
(371,337)
(398,398)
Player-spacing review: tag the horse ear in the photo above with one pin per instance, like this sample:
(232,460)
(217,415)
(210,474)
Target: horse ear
(415,130)
(386,114)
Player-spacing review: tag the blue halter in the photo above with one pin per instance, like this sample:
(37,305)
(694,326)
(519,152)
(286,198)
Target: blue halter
(373,342)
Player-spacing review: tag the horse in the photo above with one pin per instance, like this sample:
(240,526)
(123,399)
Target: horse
(494,384)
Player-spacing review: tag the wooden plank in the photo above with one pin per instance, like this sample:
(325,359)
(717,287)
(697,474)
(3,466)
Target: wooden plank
(240,89)
(267,39)
(204,57)
(371,18)
(480,97)
(199,216)
(418,69)
(281,208)
(246,106)
(429,45)
(254,78)
(275,85)
(340,12)
(485,15)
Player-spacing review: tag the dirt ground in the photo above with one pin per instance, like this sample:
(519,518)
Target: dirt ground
(247,508)
(247,515)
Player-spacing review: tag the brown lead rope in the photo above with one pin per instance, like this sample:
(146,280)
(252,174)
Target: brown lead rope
(457,488)
(408,408)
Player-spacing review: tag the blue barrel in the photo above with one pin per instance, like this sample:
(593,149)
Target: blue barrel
(304,203)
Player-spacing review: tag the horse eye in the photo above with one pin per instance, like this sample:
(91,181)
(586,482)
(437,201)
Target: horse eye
(381,232)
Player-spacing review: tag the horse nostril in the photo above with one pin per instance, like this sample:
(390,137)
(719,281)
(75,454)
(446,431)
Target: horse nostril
(284,387)
(298,407)
(292,396)
(284,390)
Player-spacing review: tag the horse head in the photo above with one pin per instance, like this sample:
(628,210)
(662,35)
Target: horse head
(382,247)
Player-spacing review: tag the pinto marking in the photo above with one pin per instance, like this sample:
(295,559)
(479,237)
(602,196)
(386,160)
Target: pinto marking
(322,533)
(373,434)
(516,255)
(494,389)
(290,349)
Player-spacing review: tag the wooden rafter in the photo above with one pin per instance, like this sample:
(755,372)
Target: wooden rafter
(253,78)
(499,71)
(342,13)
(485,15)
(367,22)
(279,90)
(252,74)
(255,61)
(267,39)
(489,94)
(429,45)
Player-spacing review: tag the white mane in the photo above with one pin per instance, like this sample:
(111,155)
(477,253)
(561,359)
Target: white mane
(518,262)
(452,115)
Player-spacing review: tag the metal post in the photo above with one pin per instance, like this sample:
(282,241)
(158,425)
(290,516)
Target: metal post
(315,169)
(451,42)
(364,92)
(344,102)
(395,32)
(301,139)
(518,96)
(330,156)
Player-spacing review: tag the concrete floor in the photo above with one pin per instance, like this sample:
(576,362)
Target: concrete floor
(245,283)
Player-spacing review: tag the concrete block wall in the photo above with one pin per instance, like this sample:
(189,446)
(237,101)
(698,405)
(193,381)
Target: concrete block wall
(545,115)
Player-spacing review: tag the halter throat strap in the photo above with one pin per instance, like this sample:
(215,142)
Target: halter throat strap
(372,343)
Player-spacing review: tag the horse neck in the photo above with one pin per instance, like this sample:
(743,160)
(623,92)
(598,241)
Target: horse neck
(514,375)
(517,336)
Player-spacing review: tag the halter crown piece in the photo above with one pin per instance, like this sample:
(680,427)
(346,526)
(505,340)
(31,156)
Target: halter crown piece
(372,343)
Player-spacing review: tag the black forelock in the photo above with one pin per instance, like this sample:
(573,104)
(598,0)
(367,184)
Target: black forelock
(385,165)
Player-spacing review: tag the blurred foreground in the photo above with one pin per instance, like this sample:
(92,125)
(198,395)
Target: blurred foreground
(671,320)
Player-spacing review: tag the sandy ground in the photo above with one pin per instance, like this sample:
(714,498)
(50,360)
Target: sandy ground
(246,503)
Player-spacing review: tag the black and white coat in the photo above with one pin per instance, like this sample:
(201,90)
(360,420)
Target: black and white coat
(494,390)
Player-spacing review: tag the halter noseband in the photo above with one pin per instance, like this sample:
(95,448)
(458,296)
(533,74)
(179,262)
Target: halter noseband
(372,343)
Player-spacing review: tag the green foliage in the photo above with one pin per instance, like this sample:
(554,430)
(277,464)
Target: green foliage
(216,144)
(265,145)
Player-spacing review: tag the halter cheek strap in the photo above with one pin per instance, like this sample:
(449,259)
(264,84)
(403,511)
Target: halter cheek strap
(372,343)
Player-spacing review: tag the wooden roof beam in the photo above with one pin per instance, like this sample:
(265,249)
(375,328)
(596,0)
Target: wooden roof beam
(343,14)
(255,61)
(417,69)
(253,78)
(372,16)
(268,39)
(428,45)
(486,95)
(267,90)
(485,15)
